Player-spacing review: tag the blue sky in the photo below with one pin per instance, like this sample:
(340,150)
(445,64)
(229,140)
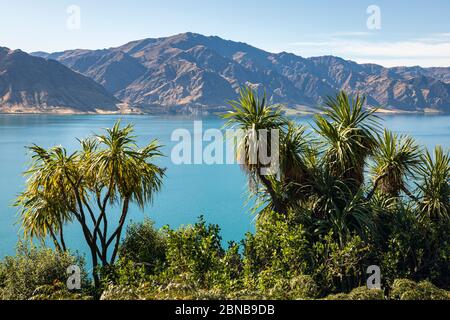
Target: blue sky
(412,32)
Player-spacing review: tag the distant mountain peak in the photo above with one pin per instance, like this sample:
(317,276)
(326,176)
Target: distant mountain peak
(188,71)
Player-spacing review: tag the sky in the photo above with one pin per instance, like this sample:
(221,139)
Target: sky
(387,32)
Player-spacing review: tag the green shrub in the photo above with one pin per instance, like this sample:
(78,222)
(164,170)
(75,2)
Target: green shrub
(404,289)
(278,244)
(144,245)
(228,276)
(412,248)
(361,293)
(33,268)
(195,250)
(57,291)
(338,296)
(271,285)
(124,272)
(303,287)
(340,269)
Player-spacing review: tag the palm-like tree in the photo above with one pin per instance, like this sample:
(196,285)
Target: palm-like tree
(126,173)
(333,205)
(47,201)
(108,170)
(297,158)
(396,159)
(44,217)
(350,133)
(434,185)
(250,115)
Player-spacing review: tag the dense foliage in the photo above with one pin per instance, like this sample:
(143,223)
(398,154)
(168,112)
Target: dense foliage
(346,196)
(33,269)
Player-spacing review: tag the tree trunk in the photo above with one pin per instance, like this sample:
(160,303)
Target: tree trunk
(61,238)
(119,229)
(55,240)
(279,206)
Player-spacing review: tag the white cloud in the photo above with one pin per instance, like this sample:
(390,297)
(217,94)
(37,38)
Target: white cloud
(347,34)
(433,50)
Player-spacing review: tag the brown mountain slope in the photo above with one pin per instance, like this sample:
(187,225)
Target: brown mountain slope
(32,85)
(194,70)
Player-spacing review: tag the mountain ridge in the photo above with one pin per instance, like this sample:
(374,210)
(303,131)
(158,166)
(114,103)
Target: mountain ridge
(31,84)
(189,72)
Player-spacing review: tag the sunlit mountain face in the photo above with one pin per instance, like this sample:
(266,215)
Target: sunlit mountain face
(189,70)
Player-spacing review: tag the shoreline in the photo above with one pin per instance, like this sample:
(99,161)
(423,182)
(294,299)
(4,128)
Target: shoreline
(303,111)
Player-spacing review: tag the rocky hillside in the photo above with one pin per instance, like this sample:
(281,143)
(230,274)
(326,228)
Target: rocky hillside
(189,71)
(34,85)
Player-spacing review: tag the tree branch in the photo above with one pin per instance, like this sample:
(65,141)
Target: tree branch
(375,186)
(118,231)
(410,195)
(279,206)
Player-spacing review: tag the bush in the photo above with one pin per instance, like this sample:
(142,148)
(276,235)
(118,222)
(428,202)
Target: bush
(303,287)
(297,288)
(361,293)
(33,268)
(281,250)
(340,269)
(421,253)
(123,272)
(144,245)
(195,250)
(57,291)
(196,266)
(404,289)
(278,244)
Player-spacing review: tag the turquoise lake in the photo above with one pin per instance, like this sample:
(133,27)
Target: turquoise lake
(218,192)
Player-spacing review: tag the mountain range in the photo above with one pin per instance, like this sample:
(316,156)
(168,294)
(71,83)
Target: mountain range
(195,73)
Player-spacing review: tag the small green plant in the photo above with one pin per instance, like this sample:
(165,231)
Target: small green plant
(34,267)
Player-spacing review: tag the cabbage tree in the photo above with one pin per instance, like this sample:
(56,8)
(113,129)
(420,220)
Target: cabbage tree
(109,171)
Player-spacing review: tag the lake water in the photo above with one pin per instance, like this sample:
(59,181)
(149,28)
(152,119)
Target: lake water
(218,192)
